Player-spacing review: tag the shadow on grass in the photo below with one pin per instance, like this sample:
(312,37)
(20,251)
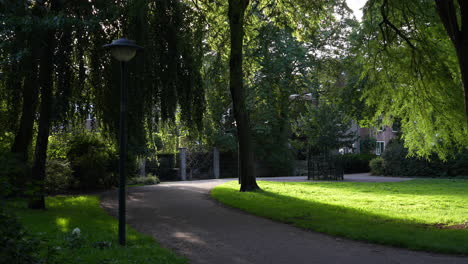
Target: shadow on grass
(346,222)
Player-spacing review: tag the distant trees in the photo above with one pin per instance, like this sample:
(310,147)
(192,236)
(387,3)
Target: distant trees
(324,128)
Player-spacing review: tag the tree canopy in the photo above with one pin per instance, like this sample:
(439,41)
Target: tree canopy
(411,73)
(220,73)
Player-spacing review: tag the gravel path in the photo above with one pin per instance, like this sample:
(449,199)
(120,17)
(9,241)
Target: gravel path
(182,217)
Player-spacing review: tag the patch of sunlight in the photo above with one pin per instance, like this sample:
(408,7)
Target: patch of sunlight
(62,223)
(189,237)
(83,198)
(132,237)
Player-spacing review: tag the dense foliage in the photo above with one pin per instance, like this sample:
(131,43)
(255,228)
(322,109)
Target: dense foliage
(325,128)
(396,162)
(410,71)
(59,176)
(16,245)
(82,160)
(355,163)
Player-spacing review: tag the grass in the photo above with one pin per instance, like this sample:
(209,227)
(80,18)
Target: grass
(67,213)
(405,214)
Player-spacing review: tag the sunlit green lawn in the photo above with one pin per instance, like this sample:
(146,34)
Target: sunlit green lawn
(404,214)
(67,213)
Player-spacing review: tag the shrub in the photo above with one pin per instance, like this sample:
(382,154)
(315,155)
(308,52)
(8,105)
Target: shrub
(397,163)
(148,180)
(356,163)
(16,246)
(458,166)
(377,166)
(94,164)
(59,176)
(59,145)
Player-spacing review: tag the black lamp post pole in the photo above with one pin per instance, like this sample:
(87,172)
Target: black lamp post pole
(122,150)
(123,50)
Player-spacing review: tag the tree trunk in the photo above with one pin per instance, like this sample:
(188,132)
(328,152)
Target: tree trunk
(37,200)
(23,137)
(463,62)
(246,155)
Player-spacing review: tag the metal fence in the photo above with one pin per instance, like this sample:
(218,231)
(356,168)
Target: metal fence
(324,167)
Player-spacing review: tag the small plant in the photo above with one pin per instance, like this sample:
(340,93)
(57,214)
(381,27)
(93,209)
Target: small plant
(58,176)
(75,240)
(102,244)
(150,179)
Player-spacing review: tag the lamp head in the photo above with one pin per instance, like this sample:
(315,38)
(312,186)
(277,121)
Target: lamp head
(123,49)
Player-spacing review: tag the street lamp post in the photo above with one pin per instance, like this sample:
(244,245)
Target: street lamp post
(123,50)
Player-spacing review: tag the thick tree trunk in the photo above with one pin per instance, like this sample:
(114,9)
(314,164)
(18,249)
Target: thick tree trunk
(23,137)
(236,85)
(463,62)
(37,200)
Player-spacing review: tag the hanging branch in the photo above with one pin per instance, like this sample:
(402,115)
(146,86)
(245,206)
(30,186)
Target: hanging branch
(387,22)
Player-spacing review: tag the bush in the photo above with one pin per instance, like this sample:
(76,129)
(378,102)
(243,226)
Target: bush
(397,163)
(59,176)
(148,180)
(355,163)
(16,246)
(458,166)
(59,145)
(377,166)
(94,164)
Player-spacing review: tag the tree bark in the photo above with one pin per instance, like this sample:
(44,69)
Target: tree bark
(24,134)
(246,156)
(37,199)
(458,34)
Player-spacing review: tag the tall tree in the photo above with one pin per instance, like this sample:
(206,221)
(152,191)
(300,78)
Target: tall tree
(37,201)
(412,72)
(236,84)
(303,17)
(23,137)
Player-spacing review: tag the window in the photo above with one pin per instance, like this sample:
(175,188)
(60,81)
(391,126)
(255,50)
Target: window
(380,147)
